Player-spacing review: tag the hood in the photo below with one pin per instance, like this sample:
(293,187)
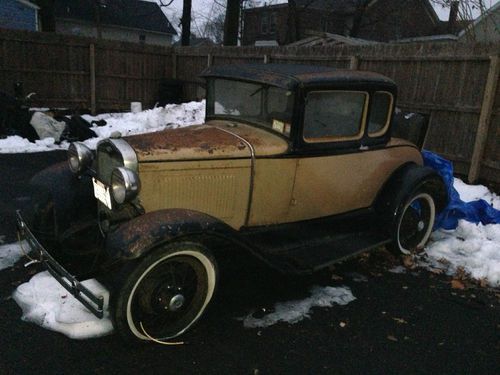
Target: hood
(214,140)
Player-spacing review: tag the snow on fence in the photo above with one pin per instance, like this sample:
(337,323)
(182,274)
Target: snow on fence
(455,84)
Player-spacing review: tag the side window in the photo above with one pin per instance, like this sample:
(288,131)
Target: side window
(334,115)
(380,113)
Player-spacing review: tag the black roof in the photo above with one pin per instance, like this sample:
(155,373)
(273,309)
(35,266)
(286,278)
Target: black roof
(289,76)
(135,14)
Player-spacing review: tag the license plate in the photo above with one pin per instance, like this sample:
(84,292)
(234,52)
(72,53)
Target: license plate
(101,192)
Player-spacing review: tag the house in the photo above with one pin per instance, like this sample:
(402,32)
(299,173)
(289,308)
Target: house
(378,20)
(485,29)
(19,14)
(124,20)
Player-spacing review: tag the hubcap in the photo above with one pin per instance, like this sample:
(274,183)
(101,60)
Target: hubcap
(420,226)
(176,302)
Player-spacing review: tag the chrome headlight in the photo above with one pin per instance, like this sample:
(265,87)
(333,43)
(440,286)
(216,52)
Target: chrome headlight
(79,157)
(125,185)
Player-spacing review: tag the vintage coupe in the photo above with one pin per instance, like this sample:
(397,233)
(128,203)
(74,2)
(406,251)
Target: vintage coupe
(295,164)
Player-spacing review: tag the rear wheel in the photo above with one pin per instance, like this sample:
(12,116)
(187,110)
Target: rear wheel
(166,293)
(414,222)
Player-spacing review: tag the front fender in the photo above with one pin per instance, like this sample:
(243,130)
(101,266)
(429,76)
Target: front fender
(139,235)
(59,200)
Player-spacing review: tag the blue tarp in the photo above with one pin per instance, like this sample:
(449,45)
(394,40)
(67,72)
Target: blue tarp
(478,211)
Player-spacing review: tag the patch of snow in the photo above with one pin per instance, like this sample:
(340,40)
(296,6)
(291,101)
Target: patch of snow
(294,311)
(10,254)
(46,303)
(398,269)
(473,247)
(470,193)
(151,120)
(357,277)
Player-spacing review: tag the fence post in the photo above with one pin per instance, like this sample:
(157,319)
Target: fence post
(93,108)
(484,118)
(174,65)
(354,63)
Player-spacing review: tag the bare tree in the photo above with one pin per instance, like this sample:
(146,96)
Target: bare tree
(186,23)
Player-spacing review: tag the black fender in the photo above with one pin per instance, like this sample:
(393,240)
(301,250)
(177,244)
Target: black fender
(402,183)
(59,199)
(141,234)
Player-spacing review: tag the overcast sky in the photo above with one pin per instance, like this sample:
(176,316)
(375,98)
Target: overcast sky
(203,8)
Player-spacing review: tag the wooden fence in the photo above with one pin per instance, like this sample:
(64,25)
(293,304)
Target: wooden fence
(456,84)
(81,73)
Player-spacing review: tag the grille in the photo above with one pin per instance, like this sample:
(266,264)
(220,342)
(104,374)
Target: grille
(108,158)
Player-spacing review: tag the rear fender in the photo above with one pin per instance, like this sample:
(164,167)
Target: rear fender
(140,235)
(405,181)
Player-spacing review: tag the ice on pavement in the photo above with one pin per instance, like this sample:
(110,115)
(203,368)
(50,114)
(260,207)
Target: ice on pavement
(46,303)
(294,311)
(152,120)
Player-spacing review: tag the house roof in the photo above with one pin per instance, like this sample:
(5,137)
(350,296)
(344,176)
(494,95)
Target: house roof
(290,76)
(315,39)
(490,13)
(134,14)
(28,4)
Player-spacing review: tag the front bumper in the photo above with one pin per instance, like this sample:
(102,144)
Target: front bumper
(93,303)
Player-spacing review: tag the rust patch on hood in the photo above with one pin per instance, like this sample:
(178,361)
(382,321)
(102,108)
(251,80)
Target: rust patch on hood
(192,142)
(205,142)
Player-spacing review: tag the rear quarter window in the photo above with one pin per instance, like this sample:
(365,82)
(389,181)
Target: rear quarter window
(380,113)
(334,115)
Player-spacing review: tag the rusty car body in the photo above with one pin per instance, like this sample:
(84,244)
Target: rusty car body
(294,164)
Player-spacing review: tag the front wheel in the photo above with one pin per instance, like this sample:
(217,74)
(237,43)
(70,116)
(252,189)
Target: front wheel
(414,222)
(166,293)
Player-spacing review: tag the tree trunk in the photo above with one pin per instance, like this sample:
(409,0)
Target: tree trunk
(47,15)
(231,23)
(293,22)
(186,23)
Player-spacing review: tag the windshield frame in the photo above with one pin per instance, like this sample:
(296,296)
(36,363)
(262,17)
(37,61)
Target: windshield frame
(264,88)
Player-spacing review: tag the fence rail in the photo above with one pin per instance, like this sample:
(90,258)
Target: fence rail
(455,84)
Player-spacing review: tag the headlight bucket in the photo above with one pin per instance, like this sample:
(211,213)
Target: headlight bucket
(80,157)
(125,185)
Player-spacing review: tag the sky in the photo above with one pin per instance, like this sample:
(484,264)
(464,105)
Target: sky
(203,7)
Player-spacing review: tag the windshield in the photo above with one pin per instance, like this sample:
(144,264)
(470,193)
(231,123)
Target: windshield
(267,106)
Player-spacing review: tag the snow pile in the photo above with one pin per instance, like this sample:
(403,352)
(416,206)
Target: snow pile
(10,254)
(152,120)
(470,193)
(294,311)
(473,247)
(46,303)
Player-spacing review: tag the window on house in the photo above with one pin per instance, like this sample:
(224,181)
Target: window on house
(142,38)
(264,23)
(334,115)
(272,23)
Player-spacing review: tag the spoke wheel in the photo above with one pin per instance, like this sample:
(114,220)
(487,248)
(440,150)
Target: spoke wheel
(415,222)
(166,293)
